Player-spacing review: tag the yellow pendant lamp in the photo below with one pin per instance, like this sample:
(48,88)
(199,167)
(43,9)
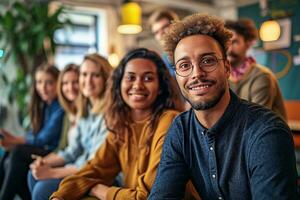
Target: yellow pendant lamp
(269,31)
(131,15)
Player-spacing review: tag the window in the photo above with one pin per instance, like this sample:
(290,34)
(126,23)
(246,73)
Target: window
(81,37)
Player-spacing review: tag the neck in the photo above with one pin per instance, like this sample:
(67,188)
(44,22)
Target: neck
(93,100)
(140,115)
(49,102)
(209,117)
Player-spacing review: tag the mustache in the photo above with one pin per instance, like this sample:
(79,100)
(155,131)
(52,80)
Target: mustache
(201,80)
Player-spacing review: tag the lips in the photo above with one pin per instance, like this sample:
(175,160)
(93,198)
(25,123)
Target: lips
(200,88)
(138,96)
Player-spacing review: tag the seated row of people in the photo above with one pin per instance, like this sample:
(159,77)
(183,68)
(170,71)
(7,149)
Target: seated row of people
(123,118)
(139,108)
(90,132)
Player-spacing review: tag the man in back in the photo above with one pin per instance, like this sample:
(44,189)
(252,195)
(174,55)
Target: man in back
(230,148)
(159,22)
(248,79)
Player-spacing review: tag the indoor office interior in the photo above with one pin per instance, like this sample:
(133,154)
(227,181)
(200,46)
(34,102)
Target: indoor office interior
(62,32)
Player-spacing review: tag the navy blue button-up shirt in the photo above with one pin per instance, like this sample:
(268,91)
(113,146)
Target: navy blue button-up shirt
(247,154)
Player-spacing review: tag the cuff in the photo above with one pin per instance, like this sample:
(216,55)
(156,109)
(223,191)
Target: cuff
(112,192)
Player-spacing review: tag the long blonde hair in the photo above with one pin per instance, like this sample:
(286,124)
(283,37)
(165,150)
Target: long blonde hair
(69,107)
(106,70)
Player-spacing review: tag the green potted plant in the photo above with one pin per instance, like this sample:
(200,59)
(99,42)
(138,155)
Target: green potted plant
(27,37)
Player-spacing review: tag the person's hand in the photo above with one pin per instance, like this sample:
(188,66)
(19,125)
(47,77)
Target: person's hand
(99,191)
(8,141)
(38,161)
(42,172)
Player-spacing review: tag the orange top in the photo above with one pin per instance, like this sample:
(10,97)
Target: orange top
(135,158)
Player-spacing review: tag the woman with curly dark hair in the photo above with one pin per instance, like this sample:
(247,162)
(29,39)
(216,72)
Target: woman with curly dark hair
(141,106)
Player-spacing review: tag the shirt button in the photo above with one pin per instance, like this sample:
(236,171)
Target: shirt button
(214,176)
(211,148)
(202,132)
(220,198)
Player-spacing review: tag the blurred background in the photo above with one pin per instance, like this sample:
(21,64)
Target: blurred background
(60,32)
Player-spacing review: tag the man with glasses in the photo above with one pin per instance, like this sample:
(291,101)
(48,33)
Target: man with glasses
(229,148)
(159,22)
(248,79)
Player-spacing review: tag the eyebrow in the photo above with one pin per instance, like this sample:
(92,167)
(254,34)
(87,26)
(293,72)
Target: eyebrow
(147,72)
(199,56)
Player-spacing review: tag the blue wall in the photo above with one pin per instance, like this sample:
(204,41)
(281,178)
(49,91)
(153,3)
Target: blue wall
(277,60)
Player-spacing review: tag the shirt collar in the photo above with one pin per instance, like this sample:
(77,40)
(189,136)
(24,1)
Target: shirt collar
(224,120)
(237,73)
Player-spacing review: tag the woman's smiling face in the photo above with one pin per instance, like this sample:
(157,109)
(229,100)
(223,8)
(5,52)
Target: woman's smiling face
(140,84)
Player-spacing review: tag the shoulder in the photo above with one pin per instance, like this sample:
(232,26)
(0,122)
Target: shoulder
(181,124)
(165,121)
(184,117)
(263,72)
(259,119)
(56,110)
(169,115)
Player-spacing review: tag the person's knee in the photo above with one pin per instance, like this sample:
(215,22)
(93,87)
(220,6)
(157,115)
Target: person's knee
(43,189)
(39,191)
(16,152)
(30,181)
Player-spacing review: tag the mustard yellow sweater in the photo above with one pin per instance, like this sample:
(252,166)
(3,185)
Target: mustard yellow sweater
(137,160)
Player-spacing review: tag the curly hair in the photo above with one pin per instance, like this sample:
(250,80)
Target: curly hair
(244,27)
(117,112)
(196,24)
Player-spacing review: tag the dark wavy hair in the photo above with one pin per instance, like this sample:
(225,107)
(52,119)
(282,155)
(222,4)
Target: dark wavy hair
(117,112)
(244,27)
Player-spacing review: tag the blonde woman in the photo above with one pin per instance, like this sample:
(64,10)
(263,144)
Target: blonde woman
(46,173)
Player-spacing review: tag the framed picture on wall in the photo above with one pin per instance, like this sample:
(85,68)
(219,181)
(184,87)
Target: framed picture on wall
(284,40)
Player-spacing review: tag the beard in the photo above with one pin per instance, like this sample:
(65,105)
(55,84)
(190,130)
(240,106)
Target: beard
(234,59)
(205,105)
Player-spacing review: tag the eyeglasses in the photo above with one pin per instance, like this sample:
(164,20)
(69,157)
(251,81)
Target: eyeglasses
(207,63)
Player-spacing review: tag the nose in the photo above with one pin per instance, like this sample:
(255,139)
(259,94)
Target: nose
(70,87)
(229,49)
(89,78)
(137,84)
(197,71)
(44,86)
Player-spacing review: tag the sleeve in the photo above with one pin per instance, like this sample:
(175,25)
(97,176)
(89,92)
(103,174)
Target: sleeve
(272,166)
(146,179)
(172,174)
(50,132)
(99,138)
(63,141)
(74,149)
(102,169)
(263,91)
